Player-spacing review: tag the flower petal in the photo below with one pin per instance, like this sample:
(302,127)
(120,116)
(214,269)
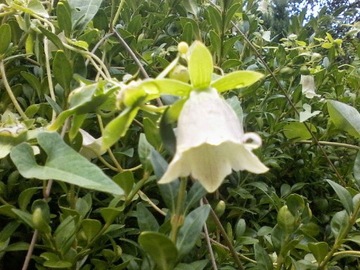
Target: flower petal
(178,167)
(308,86)
(207,118)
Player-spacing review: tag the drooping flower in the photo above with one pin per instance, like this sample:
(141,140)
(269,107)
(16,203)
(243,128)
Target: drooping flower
(211,142)
(308,86)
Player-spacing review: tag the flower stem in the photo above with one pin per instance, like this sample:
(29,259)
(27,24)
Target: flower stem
(177,219)
(226,237)
(10,93)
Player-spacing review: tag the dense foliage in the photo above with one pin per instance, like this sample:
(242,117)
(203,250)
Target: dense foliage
(74,70)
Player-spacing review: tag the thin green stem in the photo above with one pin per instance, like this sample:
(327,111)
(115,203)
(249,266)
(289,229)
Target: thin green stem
(346,145)
(30,250)
(153,205)
(225,247)
(113,158)
(117,14)
(208,242)
(49,76)
(132,54)
(102,69)
(347,252)
(137,188)
(225,236)
(177,219)
(10,93)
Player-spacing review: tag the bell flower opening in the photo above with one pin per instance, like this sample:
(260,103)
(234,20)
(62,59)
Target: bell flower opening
(211,142)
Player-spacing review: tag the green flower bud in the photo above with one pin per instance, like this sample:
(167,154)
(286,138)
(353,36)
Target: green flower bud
(39,221)
(180,73)
(286,220)
(220,208)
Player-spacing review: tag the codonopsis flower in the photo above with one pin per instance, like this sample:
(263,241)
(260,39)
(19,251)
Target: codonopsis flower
(211,142)
(308,86)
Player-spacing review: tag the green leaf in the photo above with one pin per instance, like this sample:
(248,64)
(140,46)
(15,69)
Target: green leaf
(319,250)
(58,264)
(63,13)
(18,246)
(345,117)
(152,132)
(52,37)
(5,37)
(197,265)
(65,234)
(344,196)
(8,230)
(118,127)
(262,258)
(200,65)
(125,180)
(146,220)
(196,192)
(160,248)
(215,43)
(33,81)
(236,79)
(7,142)
(214,16)
(91,228)
(53,261)
(25,197)
(63,70)
(63,164)
(298,131)
(167,87)
(24,216)
(339,224)
(82,12)
(168,191)
(36,7)
(230,12)
(187,34)
(109,214)
(190,232)
(144,150)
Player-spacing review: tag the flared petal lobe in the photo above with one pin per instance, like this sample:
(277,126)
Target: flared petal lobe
(211,142)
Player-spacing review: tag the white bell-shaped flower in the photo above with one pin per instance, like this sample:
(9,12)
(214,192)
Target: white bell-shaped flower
(211,142)
(308,86)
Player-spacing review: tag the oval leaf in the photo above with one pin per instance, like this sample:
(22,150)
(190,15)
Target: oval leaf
(345,117)
(5,37)
(190,231)
(63,164)
(236,79)
(161,249)
(344,196)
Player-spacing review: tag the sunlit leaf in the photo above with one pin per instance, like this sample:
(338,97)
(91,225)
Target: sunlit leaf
(62,164)
(160,248)
(236,79)
(345,117)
